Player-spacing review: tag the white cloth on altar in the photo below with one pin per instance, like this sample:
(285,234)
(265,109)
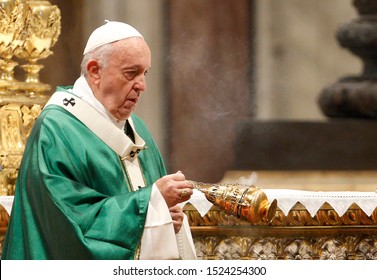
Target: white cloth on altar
(7,202)
(286,198)
(311,200)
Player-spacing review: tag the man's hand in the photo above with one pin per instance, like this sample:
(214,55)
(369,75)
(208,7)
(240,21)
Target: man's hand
(174,188)
(177,217)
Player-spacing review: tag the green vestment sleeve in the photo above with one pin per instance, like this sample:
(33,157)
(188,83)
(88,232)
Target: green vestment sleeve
(73,198)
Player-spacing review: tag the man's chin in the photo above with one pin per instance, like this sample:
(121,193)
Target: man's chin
(124,114)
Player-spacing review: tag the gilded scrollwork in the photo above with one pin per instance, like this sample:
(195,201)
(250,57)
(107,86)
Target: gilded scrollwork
(288,247)
(211,242)
(16,121)
(228,249)
(10,124)
(333,249)
(264,249)
(200,249)
(366,249)
(41,32)
(298,250)
(245,244)
(28,30)
(29,115)
(42,28)
(295,236)
(12,19)
(298,216)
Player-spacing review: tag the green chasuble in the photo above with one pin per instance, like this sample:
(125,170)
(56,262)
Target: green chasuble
(73,198)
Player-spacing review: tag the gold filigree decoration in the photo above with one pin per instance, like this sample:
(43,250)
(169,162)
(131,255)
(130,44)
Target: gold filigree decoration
(12,20)
(344,247)
(298,216)
(298,250)
(28,30)
(16,122)
(297,236)
(41,32)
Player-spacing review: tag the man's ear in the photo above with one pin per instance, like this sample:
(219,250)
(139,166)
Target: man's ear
(93,69)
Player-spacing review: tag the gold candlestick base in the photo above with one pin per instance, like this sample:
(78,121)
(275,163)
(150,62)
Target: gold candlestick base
(7,81)
(32,86)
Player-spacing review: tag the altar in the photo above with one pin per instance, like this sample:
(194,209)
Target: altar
(321,215)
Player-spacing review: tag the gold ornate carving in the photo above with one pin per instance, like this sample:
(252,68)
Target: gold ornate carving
(298,216)
(16,121)
(236,247)
(41,32)
(12,21)
(298,236)
(28,30)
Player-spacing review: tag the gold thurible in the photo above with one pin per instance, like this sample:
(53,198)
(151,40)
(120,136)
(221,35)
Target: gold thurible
(245,202)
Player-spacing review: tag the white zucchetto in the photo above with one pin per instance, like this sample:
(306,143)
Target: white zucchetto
(110,32)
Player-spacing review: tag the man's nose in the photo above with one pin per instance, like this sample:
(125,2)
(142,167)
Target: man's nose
(141,83)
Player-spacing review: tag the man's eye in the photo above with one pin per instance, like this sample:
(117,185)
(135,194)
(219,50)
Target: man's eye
(130,75)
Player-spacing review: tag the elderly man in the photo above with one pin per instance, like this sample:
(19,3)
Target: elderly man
(92,183)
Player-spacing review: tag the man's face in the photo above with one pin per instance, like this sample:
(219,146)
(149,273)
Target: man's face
(120,83)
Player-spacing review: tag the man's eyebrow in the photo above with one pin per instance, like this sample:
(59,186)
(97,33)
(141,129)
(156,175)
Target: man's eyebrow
(130,67)
(135,66)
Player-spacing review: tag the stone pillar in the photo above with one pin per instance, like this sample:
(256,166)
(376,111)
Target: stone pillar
(210,83)
(356,96)
(345,141)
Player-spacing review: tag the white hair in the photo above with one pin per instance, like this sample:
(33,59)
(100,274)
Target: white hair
(100,54)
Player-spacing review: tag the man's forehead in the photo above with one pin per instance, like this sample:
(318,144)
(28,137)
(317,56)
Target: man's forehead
(136,52)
